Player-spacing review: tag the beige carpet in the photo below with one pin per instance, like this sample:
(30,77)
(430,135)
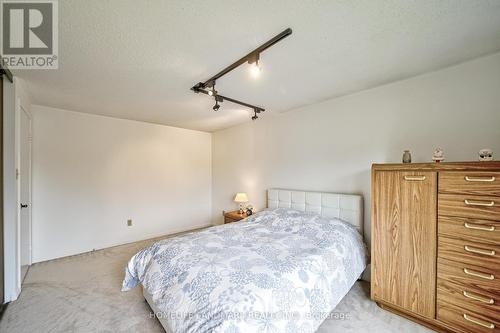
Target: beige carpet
(82,294)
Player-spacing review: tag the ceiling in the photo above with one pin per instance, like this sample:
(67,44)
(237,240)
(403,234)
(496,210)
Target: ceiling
(138,59)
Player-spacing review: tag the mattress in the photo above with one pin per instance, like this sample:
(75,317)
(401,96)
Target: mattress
(278,270)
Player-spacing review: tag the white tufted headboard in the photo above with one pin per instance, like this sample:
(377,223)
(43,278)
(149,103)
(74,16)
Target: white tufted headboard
(346,207)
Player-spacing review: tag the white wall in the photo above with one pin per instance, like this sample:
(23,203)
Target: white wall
(92,173)
(330,146)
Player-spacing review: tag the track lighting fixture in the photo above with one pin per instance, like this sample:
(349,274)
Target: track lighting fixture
(252,58)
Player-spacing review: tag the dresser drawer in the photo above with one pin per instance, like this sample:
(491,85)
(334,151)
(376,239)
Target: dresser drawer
(470,183)
(470,229)
(469,298)
(470,206)
(466,320)
(468,252)
(480,278)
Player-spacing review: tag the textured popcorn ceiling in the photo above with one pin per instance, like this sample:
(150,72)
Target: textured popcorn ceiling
(137,59)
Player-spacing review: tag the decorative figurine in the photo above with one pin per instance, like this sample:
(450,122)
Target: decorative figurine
(486,155)
(438,155)
(406,156)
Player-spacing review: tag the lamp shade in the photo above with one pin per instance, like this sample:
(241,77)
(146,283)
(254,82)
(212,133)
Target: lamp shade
(241,197)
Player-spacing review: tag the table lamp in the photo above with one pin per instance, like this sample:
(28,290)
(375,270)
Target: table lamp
(241,198)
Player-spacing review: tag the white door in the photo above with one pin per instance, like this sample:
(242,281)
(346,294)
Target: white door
(25,192)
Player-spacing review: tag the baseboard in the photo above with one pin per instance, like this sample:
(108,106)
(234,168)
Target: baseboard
(366,276)
(169,233)
(3,307)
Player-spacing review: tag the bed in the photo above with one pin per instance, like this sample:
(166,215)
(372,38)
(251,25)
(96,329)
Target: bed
(281,270)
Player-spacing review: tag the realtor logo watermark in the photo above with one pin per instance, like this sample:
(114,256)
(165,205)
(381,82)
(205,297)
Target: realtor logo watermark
(29,36)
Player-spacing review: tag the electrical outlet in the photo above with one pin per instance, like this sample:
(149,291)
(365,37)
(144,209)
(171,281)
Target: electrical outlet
(129,223)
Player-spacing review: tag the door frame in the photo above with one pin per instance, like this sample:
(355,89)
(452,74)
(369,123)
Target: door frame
(2,243)
(20,110)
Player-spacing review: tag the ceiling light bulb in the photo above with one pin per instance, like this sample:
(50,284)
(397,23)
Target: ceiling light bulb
(255,69)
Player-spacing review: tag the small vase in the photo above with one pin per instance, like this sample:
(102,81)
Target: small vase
(406,156)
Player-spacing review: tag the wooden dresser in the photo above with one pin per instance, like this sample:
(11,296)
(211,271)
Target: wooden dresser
(436,243)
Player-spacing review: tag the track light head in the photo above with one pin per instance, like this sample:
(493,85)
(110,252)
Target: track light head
(212,91)
(216,106)
(255,68)
(255,117)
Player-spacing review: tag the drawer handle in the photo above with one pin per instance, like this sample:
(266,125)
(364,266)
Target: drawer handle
(478,274)
(414,178)
(479,322)
(479,298)
(480,179)
(478,227)
(479,203)
(479,251)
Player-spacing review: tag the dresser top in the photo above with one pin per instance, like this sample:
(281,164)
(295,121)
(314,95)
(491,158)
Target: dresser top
(456,166)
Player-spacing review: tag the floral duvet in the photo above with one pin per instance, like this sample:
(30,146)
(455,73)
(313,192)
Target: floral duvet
(279,270)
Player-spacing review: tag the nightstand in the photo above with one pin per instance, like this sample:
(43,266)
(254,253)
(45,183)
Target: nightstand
(233,216)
